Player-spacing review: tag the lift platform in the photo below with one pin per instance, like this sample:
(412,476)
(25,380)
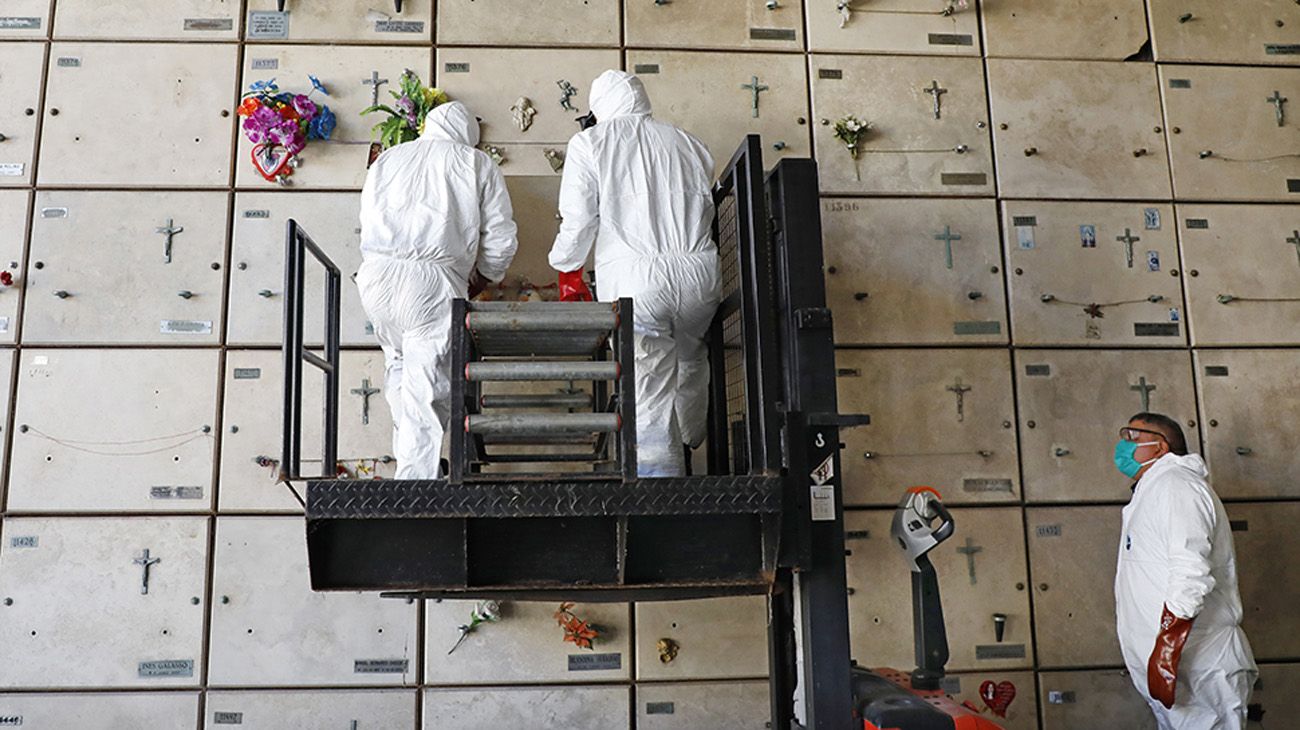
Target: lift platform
(765,517)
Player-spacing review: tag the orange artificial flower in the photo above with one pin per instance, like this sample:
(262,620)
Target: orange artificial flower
(249,106)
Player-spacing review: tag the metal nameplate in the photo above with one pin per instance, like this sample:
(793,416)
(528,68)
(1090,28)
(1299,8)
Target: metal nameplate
(399,26)
(1293,185)
(257,214)
(951,685)
(659,708)
(643,69)
(175,492)
(227,718)
(1220,371)
(381,666)
(772,34)
(68,62)
(951,39)
(16,23)
(11,720)
(268,24)
(1198,223)
(24,541)
(1000,651)
(1281,49)
(1024,220)
(248,373)
(594,662)
(1156,329)
(1060,698)
(986,485)
(1041,370)
(977,328)
(265,64)
(822,500)
(185,327)
(54,212)
(857,534)
(1048,530)
(12,169)
(963,178)
(167,668)
(1239,525)
(1180,83)
(456,68)
(209,24)
(830,73)
(848,373)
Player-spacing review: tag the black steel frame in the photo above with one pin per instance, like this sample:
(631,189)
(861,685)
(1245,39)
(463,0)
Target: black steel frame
(750,526)
(297,245)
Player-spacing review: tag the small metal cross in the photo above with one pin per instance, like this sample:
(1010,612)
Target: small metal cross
(1128,239)
(969,551)
(936,92)
(755,89)
(1277,100)
(947,237)
(1145,388)
(170,230)
(365,391)
(961,391)
(374,82)
(567,91)
(1294,240)
(144,561)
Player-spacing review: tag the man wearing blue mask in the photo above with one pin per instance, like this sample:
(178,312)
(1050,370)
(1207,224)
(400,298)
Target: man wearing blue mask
(1176,600)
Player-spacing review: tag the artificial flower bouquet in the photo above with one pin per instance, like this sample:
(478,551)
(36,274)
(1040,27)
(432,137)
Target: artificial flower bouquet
(280,124)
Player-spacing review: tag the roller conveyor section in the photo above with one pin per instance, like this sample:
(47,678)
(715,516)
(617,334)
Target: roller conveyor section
(589,421)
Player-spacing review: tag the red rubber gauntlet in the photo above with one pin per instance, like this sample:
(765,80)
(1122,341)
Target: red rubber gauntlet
(573,288)
(1162,667)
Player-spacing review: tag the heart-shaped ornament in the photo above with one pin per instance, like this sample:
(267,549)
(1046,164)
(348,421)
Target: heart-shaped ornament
(997,697)
(271,161)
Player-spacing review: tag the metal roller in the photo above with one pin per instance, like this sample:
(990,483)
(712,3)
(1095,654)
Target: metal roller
(551,400)
(600,320)
(542,424)
(536,371)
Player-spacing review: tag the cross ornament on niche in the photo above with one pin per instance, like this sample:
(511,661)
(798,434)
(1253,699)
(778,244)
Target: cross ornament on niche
(365,391)
(754,89)
(1128,239)
(1145,389)
(947,237)
(374,82)
(960,390)
(936,92)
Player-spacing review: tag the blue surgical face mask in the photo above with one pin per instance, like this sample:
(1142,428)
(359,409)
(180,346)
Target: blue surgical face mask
(1124,461)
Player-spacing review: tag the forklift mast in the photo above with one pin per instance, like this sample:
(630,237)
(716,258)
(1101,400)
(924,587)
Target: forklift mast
(765,519)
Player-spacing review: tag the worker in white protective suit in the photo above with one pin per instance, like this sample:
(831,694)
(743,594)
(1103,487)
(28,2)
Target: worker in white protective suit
(641,191)
(1176,599)
(436,224)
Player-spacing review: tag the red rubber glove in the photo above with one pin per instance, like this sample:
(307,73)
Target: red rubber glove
(1162,667)
(573,288)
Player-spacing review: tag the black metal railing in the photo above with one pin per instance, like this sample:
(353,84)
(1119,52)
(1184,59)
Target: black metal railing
(296,247)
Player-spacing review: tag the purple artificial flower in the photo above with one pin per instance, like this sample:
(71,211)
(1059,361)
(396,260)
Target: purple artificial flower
(304,106)
(259,124)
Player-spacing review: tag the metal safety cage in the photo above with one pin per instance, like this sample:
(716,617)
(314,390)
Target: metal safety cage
(297,245)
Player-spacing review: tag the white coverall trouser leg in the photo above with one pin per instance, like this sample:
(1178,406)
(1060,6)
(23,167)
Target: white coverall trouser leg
(409,304)
(672,365)
(1210,700)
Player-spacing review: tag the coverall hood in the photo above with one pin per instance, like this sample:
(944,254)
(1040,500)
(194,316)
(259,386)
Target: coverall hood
(617,94)
(1192,464)
(451,122)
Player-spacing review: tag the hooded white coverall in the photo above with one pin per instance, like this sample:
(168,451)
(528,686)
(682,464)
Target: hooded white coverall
(432,211)
(641,191)
(1176,551)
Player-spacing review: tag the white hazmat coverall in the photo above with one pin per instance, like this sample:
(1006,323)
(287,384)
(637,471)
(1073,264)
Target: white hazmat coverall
(641,191)
(432,211)
(1176,551)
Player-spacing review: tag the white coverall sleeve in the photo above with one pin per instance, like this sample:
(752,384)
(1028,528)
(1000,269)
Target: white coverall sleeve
(1191,521)
(497,239)
(579,207)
